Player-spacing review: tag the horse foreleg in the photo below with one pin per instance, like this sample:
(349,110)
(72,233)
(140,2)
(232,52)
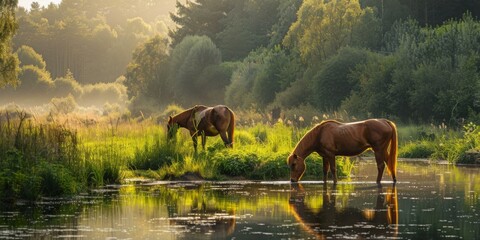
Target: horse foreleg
(204,140)
(194,139)
(326,165)
(380,158)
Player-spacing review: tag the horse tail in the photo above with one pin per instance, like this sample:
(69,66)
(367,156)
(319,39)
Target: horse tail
(392,155)
(231,127)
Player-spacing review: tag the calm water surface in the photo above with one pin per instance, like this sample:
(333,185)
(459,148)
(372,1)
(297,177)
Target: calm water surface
(429,202)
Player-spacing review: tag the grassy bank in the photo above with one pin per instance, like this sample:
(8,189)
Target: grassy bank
(53,157)
(439,142)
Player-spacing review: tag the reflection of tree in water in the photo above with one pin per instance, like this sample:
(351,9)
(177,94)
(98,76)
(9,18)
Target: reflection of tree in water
(330,221)
(199,217)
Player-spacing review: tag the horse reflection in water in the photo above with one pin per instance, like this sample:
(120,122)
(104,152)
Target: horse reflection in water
(349,222)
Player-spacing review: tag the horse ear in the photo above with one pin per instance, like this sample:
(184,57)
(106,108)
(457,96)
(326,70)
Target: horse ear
(170,118)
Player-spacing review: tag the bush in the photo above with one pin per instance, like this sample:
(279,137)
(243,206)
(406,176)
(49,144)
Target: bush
(57,180)
(63,105)
(421,149)
(237,164)
(101,93)
(272,168)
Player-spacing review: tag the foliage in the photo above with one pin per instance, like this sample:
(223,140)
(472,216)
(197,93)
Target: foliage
(155,156)
(332,84)
(189,61)
(93,39)
(236,164)
(287,14)
(28,56)
(323,27)
(147,74)
(421,63)
(235,26)
(258,79)
(371,80)
(37,160)
(57,180)
(419,149)
(63,105)
(8,26)
(37,84)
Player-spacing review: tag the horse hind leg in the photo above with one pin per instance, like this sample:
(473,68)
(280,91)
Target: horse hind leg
(224,137)
(380,158)
(333,168)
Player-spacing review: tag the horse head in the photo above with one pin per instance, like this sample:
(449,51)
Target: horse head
(172,127)
(297,167)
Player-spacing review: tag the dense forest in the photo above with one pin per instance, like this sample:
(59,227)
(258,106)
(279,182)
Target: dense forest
(409,60)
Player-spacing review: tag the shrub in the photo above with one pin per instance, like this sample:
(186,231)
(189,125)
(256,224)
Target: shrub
(101,93)
(272,168)
(63,105)
(57,180)
(421,149)
(237,164)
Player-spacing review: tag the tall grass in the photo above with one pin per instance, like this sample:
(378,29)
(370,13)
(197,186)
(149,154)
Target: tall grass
(439,142)
(37,158)
(54,156)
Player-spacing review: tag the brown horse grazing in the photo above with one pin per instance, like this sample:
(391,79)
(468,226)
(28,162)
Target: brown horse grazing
(205,121)
(331,138)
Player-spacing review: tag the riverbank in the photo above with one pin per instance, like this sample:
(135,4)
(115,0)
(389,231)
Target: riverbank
(55,157)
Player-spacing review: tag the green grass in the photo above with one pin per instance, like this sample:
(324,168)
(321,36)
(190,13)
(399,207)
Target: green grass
(45,158)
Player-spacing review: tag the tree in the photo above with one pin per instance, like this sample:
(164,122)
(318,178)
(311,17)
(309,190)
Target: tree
(189,59)
(8,26)
(248,26)
(263,74)
(287,14)
(28,56)
(147,73)
(200,17)
(323,27)
(371,96)
(331,84)
(235,26)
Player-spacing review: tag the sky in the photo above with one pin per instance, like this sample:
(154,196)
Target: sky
(26,3)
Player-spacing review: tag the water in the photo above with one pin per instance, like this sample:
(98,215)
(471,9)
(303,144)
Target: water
(428,202)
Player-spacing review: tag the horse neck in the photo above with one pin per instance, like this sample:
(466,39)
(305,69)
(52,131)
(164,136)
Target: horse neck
(182,118)
(306,145)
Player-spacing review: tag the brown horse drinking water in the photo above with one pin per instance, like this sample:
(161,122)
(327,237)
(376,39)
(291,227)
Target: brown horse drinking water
(205,121)
(331,138)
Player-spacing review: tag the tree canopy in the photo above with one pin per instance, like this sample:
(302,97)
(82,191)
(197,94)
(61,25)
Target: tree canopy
(408,60)
(8,26)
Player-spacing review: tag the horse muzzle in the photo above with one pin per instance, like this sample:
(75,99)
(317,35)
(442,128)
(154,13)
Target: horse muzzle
(293,180)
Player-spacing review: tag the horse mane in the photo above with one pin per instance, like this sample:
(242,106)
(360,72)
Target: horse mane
(310,137)
(182,118)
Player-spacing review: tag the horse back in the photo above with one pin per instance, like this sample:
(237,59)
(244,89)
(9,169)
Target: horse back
(353,138)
